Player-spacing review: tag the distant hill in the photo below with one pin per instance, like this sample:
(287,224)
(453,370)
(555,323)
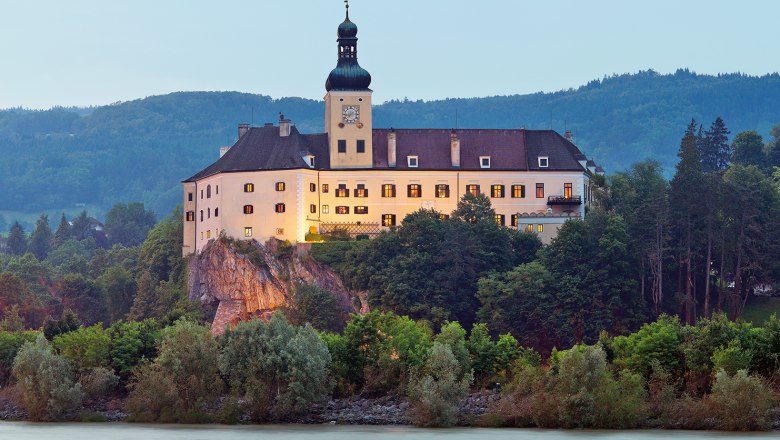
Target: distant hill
(140,150)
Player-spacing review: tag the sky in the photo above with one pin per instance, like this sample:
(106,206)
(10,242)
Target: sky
(96,52)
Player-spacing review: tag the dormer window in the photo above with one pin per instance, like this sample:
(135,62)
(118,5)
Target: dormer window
(309,159)
(411,161)
(484,161)
(544,161)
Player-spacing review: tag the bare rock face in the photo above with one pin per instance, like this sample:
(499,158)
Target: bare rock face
(260,282)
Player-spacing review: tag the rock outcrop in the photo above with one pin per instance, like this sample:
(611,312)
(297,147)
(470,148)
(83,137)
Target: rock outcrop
(258,280)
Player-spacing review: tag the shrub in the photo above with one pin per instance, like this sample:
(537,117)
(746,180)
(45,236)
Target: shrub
(436,393)
(45,382)
(10,343)
(741,402)
(68,323)
(98,383)
(131,343)
(731,358)
(87,347)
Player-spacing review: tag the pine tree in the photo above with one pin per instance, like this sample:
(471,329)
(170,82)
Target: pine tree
(63,231)
(40,240)
(17,240)
(715,151)
(748,149)
(80,229)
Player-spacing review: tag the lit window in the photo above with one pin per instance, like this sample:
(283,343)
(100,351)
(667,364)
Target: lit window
(529,228)
(411,161)
(540,190)
(388,219)
(216,212)
(190,216)
(539,228)
(280,186)
(201,235)
(500,219)
(279,208)
(342,146)
(443,217)
(388,190)
(325,209)
(189,197)
(208,234)
(249,187)
(313,209)
(567,193)
(484,161)
(513,220)
(497,191)
(544,161)
(279,231)
(342,190)
(442,191)
(361,209)
(361,146)
(342,210)
(313,187)
(208,192)
(249,209)
(247,232)
(325,187)
(414,190)
(518,192)
(361,190)
(473,190)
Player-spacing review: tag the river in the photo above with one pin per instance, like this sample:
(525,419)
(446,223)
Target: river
(120,431)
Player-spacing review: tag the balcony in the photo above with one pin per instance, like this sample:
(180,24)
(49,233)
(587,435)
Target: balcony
(563,200)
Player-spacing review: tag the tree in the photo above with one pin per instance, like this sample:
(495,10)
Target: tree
(748,149)
(40,240)
(81,295)
(85,347)
(715,152)
(316,306)
(81,228)
(772,149)
(118,287)
(436,393)
(131,343)
(474,208)
(17,240)
(63,232)
(129,224)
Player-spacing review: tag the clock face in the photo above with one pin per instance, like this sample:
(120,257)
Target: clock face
(350,113)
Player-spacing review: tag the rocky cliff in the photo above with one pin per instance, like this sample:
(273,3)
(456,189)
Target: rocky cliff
(245,279)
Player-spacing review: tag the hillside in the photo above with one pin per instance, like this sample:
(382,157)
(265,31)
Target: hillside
(66,158)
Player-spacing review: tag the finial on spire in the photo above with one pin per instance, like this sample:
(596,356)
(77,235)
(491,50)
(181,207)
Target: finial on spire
(346,2)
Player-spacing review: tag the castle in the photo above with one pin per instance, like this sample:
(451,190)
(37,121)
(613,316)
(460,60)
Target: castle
(277,182)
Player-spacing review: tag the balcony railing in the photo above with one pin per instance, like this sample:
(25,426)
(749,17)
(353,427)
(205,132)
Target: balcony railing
(563,200)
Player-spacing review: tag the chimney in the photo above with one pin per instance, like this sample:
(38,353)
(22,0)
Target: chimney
(455,149)
(223,150)
(391,148)
(242,129)
(568,136)
(284,126)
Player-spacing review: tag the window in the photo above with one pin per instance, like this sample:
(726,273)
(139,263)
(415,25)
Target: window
(361,146)
(414,190)
(500,219)
(249,209)
(411,161)
(473,190)
(388,219)
(497,191)
(208,234)
(544,161)
(189,197)
(540,190)
(313,187)
(442,191)
(518,192)
(201,215)
(539,228)
(443,217)
(342,146)
(313,208)
(361,209)
(529,228)
(567,190)
(342,210)
(217,194)
(484,161)
(325,188)
(190,216)
(201,235)
(208,191)
(280,186)
(325,209)
(216,212)
(201,194)
(361,190)
(342,190)
(247,232)
(249,187)
(208,213)
(388,190)
(513,220)
(279,231)
(280,208)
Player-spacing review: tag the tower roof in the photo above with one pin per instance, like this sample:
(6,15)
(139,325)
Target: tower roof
(348,75)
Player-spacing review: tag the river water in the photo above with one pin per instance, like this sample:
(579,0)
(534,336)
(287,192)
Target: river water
(119,431)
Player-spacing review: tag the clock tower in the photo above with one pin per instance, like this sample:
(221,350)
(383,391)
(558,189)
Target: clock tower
(348,105)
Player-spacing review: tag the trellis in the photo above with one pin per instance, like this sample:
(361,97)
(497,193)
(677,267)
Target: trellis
(351,229)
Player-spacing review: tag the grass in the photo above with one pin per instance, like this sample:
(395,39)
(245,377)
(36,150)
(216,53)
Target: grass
(759,308)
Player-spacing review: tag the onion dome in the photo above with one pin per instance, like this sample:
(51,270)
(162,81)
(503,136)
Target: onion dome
(348,75)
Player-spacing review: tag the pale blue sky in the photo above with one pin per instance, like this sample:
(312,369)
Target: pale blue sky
(91,52)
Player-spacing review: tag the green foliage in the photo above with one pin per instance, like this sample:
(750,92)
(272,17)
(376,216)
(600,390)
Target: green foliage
(10,343)
(654,344)
(54,327)
(731,358)
(45,382)
(435,394)
(316,306)
(748,147)
(741,402)
(131,343)
(181,382)
(11,321)
(128,224)
(86,347)
(17,240)
(98,382)
(40,240)
(119,288)
(83,296)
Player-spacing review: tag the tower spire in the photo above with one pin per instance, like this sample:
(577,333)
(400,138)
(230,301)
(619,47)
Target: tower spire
(346,2)
(348,75)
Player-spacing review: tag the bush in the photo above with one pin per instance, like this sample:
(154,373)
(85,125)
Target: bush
(435,395)
(45,382)
(741,402)
(98,383)
(68,323)
(10,343)
(131,343)
(87,347)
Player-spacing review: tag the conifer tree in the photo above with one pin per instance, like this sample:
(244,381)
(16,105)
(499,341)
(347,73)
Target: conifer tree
(17,241)
(80,229)
(40,240)
(715,151)
(63,232)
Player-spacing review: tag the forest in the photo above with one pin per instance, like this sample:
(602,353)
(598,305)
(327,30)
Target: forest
(69,159)
(631,317)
